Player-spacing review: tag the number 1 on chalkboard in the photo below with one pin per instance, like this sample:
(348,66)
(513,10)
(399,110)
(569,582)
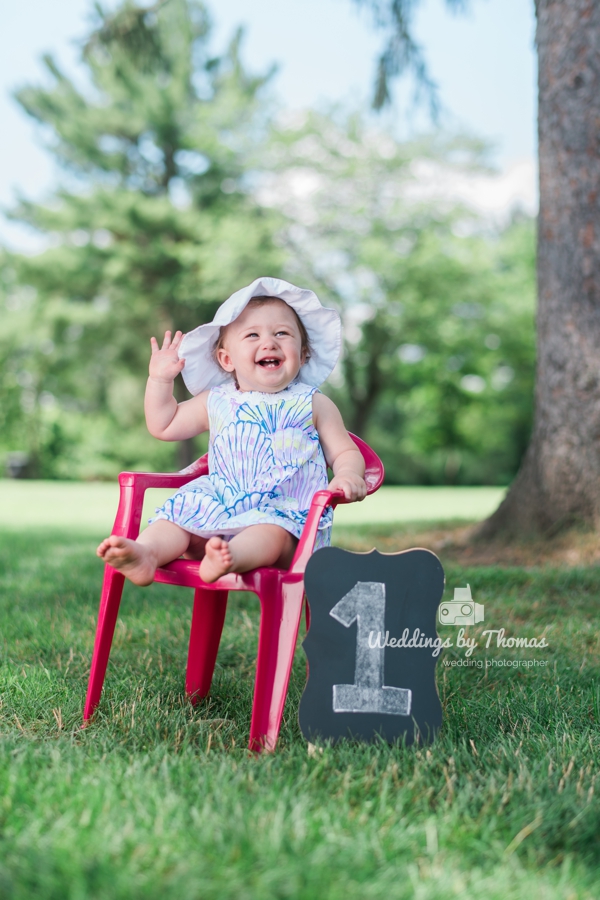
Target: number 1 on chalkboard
(365,604)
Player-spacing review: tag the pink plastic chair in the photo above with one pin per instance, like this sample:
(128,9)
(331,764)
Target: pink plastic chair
(281,595)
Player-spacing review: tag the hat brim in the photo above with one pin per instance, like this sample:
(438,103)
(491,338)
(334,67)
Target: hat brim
(323,327)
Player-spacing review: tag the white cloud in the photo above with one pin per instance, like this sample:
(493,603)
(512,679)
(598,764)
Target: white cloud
(494,196)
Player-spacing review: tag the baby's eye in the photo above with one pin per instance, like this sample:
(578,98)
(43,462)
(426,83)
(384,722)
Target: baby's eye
(281,332)
(252,334)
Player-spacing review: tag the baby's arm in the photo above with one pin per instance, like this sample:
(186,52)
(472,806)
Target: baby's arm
(340,451)
(166,419)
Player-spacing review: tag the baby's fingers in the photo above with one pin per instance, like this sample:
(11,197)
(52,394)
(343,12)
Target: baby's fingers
(167,341)
(153,345)
(354,490)
(177,340)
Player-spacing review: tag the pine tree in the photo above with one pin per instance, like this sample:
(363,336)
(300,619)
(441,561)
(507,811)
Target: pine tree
(152,229)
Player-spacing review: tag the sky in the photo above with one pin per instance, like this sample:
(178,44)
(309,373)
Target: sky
(483,61)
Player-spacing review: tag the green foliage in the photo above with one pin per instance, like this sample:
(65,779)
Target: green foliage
(438,309)
(150,232)
(180,188)
(160,799)
(458,385)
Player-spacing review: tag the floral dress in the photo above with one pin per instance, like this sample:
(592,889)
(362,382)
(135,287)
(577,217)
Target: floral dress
(265,463)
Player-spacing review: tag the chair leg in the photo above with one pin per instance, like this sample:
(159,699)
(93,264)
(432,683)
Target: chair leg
(307,619)
(205,634)
(281,611)
(110,599)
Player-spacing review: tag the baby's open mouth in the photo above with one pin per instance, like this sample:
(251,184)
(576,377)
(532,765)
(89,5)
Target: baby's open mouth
(269,363)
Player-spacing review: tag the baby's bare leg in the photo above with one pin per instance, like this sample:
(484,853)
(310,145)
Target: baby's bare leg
(196,547)
(258,545)
(160,543)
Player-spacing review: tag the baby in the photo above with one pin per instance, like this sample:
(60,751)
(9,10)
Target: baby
(254,372)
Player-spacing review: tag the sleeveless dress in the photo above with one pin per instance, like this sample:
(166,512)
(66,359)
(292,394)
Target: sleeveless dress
(265,464)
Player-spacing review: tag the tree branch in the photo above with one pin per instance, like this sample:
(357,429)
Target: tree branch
(401,54)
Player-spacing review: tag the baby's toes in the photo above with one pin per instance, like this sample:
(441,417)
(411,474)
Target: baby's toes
(113,552)
(223,547)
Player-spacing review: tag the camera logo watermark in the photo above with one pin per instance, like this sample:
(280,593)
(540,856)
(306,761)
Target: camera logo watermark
(462,610)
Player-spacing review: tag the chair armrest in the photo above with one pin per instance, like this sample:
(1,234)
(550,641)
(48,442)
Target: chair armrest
(133,486)
(320,502)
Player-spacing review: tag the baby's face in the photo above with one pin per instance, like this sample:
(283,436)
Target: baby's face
(263,346)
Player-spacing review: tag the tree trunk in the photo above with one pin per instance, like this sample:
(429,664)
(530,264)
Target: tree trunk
(559,480)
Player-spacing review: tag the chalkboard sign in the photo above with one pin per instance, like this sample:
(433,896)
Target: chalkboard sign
(372,646)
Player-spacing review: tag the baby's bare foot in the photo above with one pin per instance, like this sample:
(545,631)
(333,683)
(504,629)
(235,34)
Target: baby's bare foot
(217,561)
(134,560)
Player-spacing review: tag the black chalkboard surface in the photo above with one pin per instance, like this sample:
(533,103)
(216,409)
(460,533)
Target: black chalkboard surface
(372,646)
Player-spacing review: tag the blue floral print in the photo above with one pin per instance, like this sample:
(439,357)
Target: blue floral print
(265,464)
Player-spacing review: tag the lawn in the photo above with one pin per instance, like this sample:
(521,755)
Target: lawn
(92,507)
(157,799)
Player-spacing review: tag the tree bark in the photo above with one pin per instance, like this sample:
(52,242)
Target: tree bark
(558,483)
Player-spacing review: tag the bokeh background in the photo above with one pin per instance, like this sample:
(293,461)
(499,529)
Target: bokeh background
(153,162)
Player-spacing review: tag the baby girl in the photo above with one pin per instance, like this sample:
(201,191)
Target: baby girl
(254,371)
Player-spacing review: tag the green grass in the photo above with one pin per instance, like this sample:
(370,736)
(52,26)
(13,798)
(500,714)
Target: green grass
(92,507)
(157,799)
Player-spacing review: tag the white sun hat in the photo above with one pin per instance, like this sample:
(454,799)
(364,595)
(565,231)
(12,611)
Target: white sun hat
(323,326)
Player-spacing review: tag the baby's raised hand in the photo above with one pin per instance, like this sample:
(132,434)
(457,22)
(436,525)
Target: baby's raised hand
(165,363)
(351,484)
